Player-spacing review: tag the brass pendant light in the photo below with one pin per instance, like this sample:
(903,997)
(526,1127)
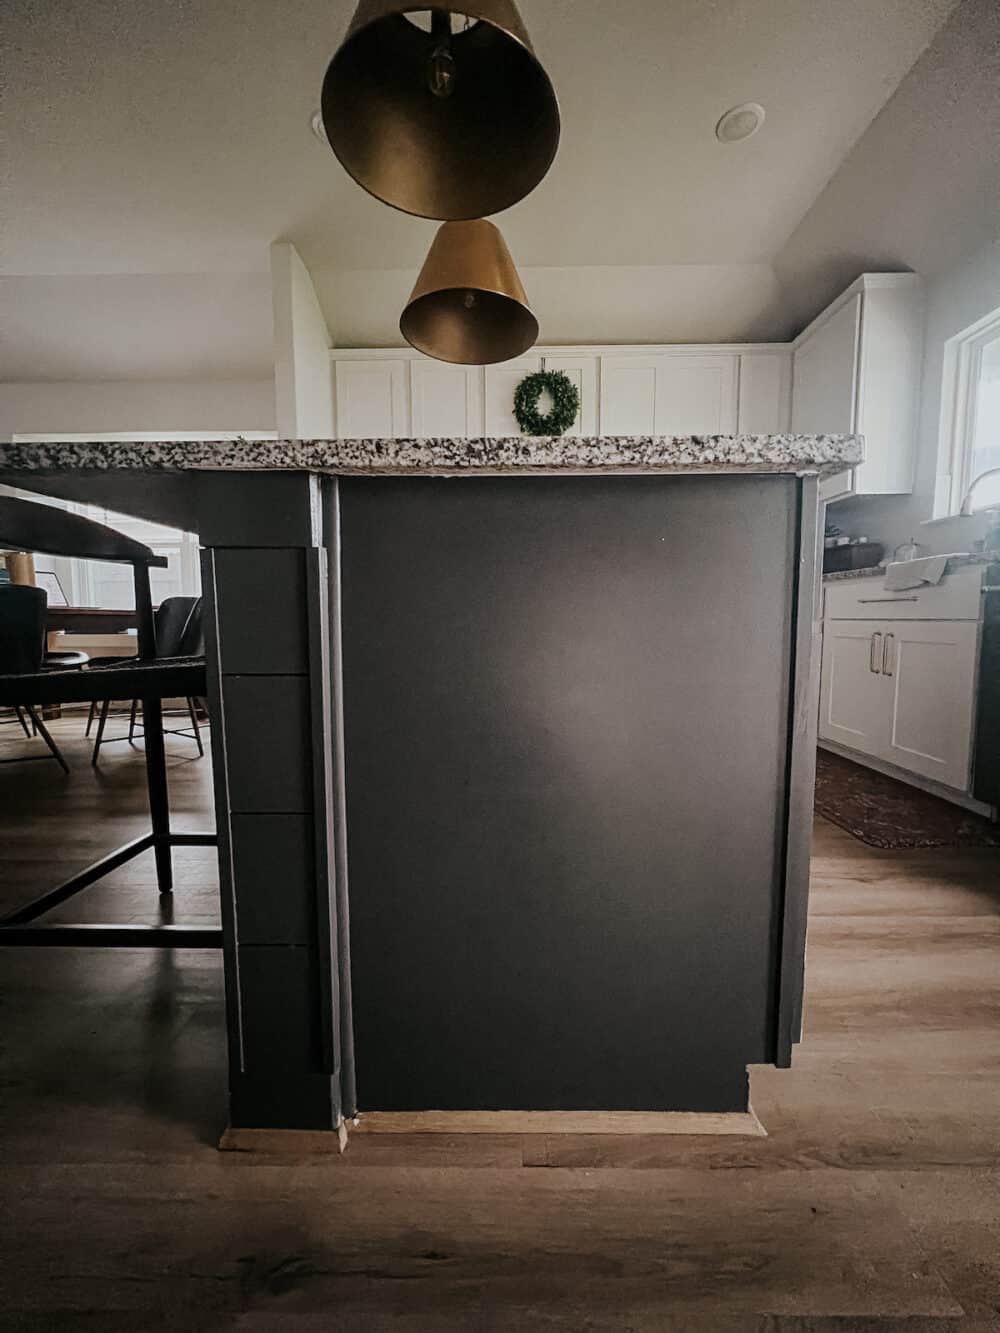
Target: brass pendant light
(442,123)
(468,305)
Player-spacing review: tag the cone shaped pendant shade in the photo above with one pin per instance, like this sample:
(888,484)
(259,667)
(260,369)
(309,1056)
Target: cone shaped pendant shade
(444,124)
(468,305)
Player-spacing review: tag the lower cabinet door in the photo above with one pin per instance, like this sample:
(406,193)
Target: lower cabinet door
(853,708)
(929,671)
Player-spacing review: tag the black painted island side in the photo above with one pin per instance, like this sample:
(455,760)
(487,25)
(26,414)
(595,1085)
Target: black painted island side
(537,717)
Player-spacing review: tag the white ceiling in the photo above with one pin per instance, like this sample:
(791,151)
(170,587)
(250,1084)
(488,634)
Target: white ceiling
(151,138)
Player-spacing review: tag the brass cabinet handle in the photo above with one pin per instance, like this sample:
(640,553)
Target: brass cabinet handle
(873,653)
(870,601)
(886,656)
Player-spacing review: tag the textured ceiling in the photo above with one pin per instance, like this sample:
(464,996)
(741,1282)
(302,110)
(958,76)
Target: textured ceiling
(148,137)
(173,137)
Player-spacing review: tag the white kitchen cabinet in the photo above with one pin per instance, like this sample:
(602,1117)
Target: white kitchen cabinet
(582,370)
(502,380)
(765,393)
(825,374)
(716,390)
(372,398)
(445,400)
(902,692)
(898,686)
(856,369)
(853,704)
(669,394)
(930,670)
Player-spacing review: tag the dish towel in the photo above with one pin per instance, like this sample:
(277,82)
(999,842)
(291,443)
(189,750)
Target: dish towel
(921,573)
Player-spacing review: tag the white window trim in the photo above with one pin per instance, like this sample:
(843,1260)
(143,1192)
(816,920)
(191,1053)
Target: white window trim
(959,388)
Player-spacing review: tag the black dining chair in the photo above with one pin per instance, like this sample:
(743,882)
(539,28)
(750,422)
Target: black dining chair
(27,526)
(22,653)
(179,633)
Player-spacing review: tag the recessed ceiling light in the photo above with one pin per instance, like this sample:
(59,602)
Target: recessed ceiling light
(317,126)
(739,122)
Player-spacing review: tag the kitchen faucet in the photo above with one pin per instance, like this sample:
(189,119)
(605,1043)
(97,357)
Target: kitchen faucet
(966,511)
(992,542)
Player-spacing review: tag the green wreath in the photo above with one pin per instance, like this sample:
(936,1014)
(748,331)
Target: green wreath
(565,403)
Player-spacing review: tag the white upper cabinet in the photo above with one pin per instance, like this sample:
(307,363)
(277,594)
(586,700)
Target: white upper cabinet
(669,393)
(372,398)
(445,401)
(765,393)
(582,370)
(856,368)
(395,393)
(826,374)
(502,380)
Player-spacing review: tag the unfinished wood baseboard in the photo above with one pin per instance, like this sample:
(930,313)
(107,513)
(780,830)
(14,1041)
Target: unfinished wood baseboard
(743,1123)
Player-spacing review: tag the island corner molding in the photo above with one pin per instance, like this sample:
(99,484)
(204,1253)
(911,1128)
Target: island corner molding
(485,456)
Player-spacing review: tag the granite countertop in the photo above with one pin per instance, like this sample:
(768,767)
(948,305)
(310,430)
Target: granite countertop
(878,571)
(797,454)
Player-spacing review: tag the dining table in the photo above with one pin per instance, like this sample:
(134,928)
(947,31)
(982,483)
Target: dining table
(89,619)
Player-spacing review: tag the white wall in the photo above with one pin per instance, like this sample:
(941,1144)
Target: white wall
(71,408)
(303,384)
(955,299)
(609,304)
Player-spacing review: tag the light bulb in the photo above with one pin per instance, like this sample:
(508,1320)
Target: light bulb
(441,63)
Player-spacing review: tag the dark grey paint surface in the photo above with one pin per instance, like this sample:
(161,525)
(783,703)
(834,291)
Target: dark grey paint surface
(567,719)
(268,742)
(263,627)
(270,680)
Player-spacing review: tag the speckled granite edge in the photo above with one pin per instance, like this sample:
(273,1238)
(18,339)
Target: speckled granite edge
(876,571)
(801,454)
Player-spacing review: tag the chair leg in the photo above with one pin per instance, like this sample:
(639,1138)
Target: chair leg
(23,721)
(90,716)
(131,720)
(159,800)
(43,731)
(102,722)
(193,714)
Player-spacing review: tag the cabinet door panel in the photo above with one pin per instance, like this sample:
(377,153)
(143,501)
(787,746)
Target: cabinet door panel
(853,706)
(825,375)
(676,394)
(582,371)
(765,381)
(501,381)
(696,395)
(372,400)
(445,400)
(628,395)
(930,698)
(824,386)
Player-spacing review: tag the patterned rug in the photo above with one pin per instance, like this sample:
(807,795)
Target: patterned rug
(885,813)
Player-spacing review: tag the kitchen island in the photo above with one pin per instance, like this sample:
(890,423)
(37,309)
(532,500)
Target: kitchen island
(513,744)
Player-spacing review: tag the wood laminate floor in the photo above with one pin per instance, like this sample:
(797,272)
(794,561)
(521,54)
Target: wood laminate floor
(873,1204)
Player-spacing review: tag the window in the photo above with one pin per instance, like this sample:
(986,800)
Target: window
(970,416)
(100,583)
(984,449)
(105,584)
